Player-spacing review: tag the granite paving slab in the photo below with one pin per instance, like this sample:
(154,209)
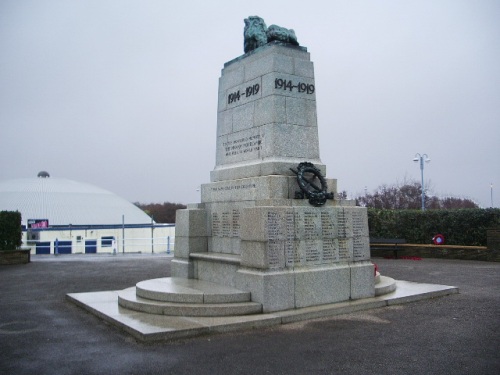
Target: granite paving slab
(149,327)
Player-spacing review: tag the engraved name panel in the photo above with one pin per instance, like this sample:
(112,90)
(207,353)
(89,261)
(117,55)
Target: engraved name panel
(345,249)
(330,250)
(361,248)
(226,223)
(216,225)
(275,253)
(359,222)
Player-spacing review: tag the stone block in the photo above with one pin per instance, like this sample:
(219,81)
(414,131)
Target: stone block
(217,272)
(183,268)
(274,187)
(319,252)
(358,219)
(253,220)
(303,68)
(224,217)
(361,248)
(344,221)
(254,255)
(308,223)
(273,202)
(239,146)
(270,110)
(276,83)
(233,172)
(257,133)
(245,189)
(187,245)
(320,286)
(345,249)
(224,245)
(300,111)
(362,280)
(232,76)
(276,257)
(242,94)
(191,223)
(310,252)
(317,222)
(267,223)
(281,166)
(289,141)
(269,63)
(330,251)
(243,117)
(274,290)
(224,123)
(296,52)
(332,184)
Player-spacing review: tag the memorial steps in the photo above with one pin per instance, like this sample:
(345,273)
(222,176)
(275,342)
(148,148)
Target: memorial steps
(174,296)
(384,285)
(187,297)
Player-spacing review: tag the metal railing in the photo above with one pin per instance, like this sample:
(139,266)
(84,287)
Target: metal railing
(107,245)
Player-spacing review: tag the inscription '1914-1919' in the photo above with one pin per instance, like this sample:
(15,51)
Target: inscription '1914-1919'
(249,91)
(288,85)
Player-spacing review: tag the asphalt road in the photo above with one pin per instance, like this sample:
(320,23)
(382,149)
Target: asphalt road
(42,333)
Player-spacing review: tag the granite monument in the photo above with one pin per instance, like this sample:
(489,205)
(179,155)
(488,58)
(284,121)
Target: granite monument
(269,222)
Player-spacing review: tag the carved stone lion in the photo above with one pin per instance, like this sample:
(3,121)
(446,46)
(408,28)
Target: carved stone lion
(256,34)
(281,34)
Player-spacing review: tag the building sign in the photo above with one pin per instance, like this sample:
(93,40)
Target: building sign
(38,223)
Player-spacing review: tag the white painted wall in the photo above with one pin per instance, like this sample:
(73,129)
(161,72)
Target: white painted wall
(143,240)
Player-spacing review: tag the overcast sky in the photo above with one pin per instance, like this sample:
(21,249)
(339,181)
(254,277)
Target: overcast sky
(122,94)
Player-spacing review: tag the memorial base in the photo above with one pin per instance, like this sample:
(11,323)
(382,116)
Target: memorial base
(284,289)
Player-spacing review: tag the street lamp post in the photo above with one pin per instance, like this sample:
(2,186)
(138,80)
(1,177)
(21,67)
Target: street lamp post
(491,194)
(422,158)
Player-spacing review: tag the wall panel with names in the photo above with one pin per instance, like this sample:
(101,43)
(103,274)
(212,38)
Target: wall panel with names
(226,222)
(361,248)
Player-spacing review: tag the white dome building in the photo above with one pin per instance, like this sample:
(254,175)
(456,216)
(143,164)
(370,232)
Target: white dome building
(65,202)
(67,210)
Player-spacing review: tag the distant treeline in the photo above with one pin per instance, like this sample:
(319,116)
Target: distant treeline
(161,212)
(408,196)
(459,227)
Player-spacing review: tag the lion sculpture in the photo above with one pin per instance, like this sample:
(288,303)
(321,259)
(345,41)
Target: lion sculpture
(256,34)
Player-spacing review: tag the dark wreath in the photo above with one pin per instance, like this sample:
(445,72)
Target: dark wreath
(312,184)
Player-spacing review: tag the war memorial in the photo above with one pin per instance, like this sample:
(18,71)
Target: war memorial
(270,242)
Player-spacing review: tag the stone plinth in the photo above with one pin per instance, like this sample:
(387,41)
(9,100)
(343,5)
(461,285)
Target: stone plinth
(266,120)
(249,232)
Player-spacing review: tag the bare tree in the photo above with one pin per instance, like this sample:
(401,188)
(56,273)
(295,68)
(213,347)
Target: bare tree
(408,195)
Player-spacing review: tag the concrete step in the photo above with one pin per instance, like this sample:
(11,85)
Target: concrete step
(180,290)
(128,298)
(385,285)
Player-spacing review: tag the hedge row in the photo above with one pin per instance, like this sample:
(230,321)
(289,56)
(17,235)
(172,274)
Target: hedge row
(10,230)
(459,227)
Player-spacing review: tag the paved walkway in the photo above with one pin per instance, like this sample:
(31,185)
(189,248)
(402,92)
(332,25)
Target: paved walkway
(42,333)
